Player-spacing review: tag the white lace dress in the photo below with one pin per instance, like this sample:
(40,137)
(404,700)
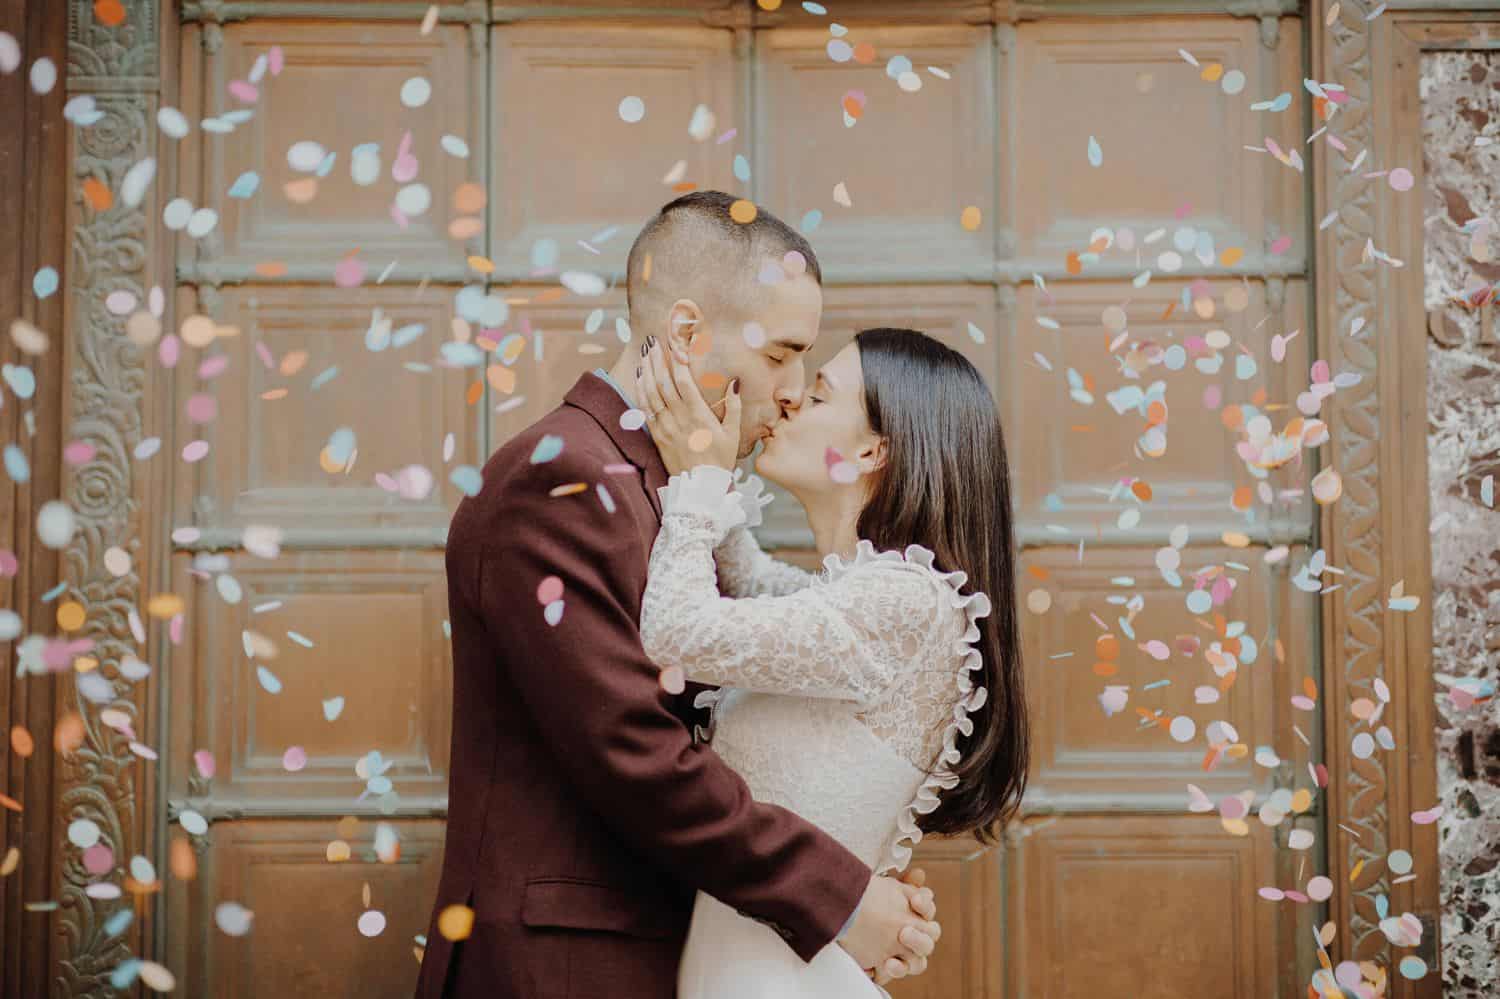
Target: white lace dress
(844,695)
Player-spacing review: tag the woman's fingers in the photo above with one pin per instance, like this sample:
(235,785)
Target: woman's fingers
(649,396)
(664,383)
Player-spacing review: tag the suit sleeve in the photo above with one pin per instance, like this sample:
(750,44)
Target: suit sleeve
(597,696)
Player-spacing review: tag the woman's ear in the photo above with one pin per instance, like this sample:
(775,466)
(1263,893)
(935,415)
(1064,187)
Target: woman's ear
(871,457)
(684,323)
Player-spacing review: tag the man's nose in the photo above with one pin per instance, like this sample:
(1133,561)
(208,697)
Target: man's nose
(789,396)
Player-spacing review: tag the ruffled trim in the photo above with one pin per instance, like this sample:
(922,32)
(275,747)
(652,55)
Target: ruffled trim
(970,696)
(752,496)
(704,489)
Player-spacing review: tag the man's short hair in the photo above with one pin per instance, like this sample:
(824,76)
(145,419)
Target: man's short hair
(697,251)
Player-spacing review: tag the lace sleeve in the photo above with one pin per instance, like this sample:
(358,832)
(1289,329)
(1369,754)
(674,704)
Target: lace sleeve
(745,570)
(842,640)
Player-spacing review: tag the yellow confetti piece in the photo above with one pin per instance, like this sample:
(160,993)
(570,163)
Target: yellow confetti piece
(743,211)
(85,664)
(164,605)
(568,489)
(1301,800)
(482,265)
(1354,872)
(70,615)
(338,852)
(181,860)
(11,862)
(456,922)
(1236,539)
(971,218)
(769,4)
(1212,72)
(1229,258)
(1039,601)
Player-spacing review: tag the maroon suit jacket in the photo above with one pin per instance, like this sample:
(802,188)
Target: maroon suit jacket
(581,813)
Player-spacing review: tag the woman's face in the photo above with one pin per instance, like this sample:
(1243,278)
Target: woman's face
(832,415)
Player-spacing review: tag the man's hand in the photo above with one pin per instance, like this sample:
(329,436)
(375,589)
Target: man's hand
(895,930)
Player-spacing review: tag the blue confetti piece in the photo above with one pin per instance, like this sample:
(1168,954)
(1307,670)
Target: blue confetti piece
(814,8)
(268,680)
(118,923)
(812,220)
(466,479)
(326,167)
(741,167)
(245,185)
(549,447)
(1244,367)
(44,284)
(125,973)
(325,376)
(21,380)
(462,355)
(54,593)
(1096,153)
(1156,683)
(341,445)
(1052,503)
(16,465)
(407,334)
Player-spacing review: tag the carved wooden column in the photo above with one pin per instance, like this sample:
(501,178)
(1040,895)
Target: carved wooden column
(114,250)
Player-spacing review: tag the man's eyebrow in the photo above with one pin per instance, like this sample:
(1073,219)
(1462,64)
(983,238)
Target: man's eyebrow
(792,345)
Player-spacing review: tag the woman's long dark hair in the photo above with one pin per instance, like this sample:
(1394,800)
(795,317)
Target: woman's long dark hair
(945,485)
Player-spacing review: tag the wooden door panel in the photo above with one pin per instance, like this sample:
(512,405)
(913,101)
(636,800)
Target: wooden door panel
(567,165)
(969,961)
(305,938)
(1078,750)
(1172,144)
(1152,907)
(554,349)
(273,422)
(1070,452)
(911,164)
(341,88)
(375,621)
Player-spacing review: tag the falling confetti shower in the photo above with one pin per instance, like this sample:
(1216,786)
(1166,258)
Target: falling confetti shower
(1275,446)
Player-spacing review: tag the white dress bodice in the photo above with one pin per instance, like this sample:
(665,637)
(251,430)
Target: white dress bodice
(844,692)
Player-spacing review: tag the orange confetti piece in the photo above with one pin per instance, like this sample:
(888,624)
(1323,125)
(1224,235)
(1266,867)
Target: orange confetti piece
(1231,256)
(1039,572)
(99,197)
(683,187)
(1142,490)
(1074,264)
(568,489)
(7,801)
(272,395)
(743,211)
(1105,669)
(483,265)
(971,218)
(22,742)
(456,922)
(475,393)
(1167,312)
(1107,647)
(164,605)
(713,380)
(501,378)
(864,53)
(70,615)
(466,227)
(769,4)
(1309,688)
(69,733)
(110,13)
(549,295)
(270,269)
(181,860)
(302,190)
(852,107)
(469,199)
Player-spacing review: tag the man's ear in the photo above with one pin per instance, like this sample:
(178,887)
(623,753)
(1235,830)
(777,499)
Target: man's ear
(684,323)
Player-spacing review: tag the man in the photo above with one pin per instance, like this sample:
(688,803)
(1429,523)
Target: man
(583,814)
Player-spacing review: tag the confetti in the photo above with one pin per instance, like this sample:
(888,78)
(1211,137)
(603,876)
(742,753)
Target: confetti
(632,110)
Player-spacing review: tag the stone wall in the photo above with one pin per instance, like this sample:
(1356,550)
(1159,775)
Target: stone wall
(1461,104)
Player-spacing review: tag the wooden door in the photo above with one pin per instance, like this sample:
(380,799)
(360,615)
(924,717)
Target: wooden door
(1109,882)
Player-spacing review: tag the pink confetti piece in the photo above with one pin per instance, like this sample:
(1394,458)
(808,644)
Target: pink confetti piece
(549,590)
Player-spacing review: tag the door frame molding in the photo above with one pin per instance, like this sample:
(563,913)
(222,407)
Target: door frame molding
(1378,531)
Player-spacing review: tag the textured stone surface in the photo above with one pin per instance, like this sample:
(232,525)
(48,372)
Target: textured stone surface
(1461,102)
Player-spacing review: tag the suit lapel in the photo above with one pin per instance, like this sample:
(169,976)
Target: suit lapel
(597,398)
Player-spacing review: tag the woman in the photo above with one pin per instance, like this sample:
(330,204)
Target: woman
(855,696)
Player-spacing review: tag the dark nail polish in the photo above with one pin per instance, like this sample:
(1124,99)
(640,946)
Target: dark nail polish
(638,372)
(734,386)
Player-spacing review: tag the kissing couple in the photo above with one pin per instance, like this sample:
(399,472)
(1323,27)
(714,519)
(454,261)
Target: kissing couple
(681,767)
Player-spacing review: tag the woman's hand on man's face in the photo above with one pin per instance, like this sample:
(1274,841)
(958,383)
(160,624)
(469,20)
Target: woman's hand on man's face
(684,427)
